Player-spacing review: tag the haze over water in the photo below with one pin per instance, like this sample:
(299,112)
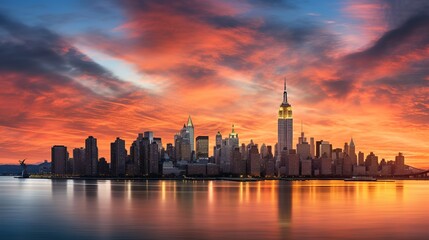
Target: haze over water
(71,209)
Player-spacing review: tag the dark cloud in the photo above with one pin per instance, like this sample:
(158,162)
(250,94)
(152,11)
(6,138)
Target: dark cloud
(413,34)
(194,75)
(224,21)
(273,3)
(38,52)
(338,88)
(399,11)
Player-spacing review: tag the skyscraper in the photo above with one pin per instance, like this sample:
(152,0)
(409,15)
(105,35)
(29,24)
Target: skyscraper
(218,139)
(79,161)
(202,149)
(253,162)
(118,155)
(399,164)
(285,124)
(148,135)
(154,159)
(59,157)
(228,145)
(326,147)
(91,156)
(190,128)
(352,152)
(182,143)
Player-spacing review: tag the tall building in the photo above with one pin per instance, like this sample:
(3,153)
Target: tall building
(303,148)
(59,158)
(285,124)
(202,147)
(118,155)
(399,164)
(182,144)
(190,128)
(325,164)
(218,139)
(292,163)
(148,135)
(312,147)
(154,159)
(264,150)
(302,138)
(103,167)
(158,142)
(352,152)
(318,143)
(254,162)
(216,148)
(326,147)
(233,135)
(79,161)
(371,163)
(238,165)
(360,158)
(346,148)
(226,150)
(91,156)
(170,151)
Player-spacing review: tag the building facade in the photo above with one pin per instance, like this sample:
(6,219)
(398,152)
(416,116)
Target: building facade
(91,156)
(285,124)
(202,147)
(59,158)
(118,155)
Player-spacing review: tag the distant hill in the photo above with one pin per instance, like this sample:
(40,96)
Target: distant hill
(15,169)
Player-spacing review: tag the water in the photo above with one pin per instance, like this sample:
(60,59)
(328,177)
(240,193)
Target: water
(78,209)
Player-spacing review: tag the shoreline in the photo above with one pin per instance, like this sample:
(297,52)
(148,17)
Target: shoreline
(234,179)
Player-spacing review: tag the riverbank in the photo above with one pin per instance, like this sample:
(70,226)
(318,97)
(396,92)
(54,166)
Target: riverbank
(236,179)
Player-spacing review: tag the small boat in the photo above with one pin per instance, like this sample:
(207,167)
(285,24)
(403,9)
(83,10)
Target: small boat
(361,179)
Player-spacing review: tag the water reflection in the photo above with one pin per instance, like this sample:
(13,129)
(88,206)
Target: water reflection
(284,208)
(71,209)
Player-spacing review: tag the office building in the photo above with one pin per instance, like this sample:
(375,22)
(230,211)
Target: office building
(285,124)
(118,155)
(59,158)
(202,147)
(91,156)
(79,161)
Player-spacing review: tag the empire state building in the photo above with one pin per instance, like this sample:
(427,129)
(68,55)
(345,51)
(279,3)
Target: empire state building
(285,124)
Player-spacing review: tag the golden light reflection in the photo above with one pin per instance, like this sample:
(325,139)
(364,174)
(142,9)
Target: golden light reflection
(247,192)
(276,208)
(241,192)
(163,191)
(129,191)
(258,192)
(210,192)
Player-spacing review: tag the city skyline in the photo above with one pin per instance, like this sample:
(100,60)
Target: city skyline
(116,68)
(284,113)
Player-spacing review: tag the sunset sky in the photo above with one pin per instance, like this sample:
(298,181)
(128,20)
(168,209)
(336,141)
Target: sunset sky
(111,69)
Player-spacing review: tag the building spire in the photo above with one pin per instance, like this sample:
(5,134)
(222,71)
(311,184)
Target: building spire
(190,124)
(285,84)
(233,130)
(285,92)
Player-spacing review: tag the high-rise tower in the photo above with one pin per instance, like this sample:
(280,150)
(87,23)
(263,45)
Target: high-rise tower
(285,124)
(190,128)
(91,156)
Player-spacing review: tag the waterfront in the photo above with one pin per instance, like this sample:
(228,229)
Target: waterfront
(155,209)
